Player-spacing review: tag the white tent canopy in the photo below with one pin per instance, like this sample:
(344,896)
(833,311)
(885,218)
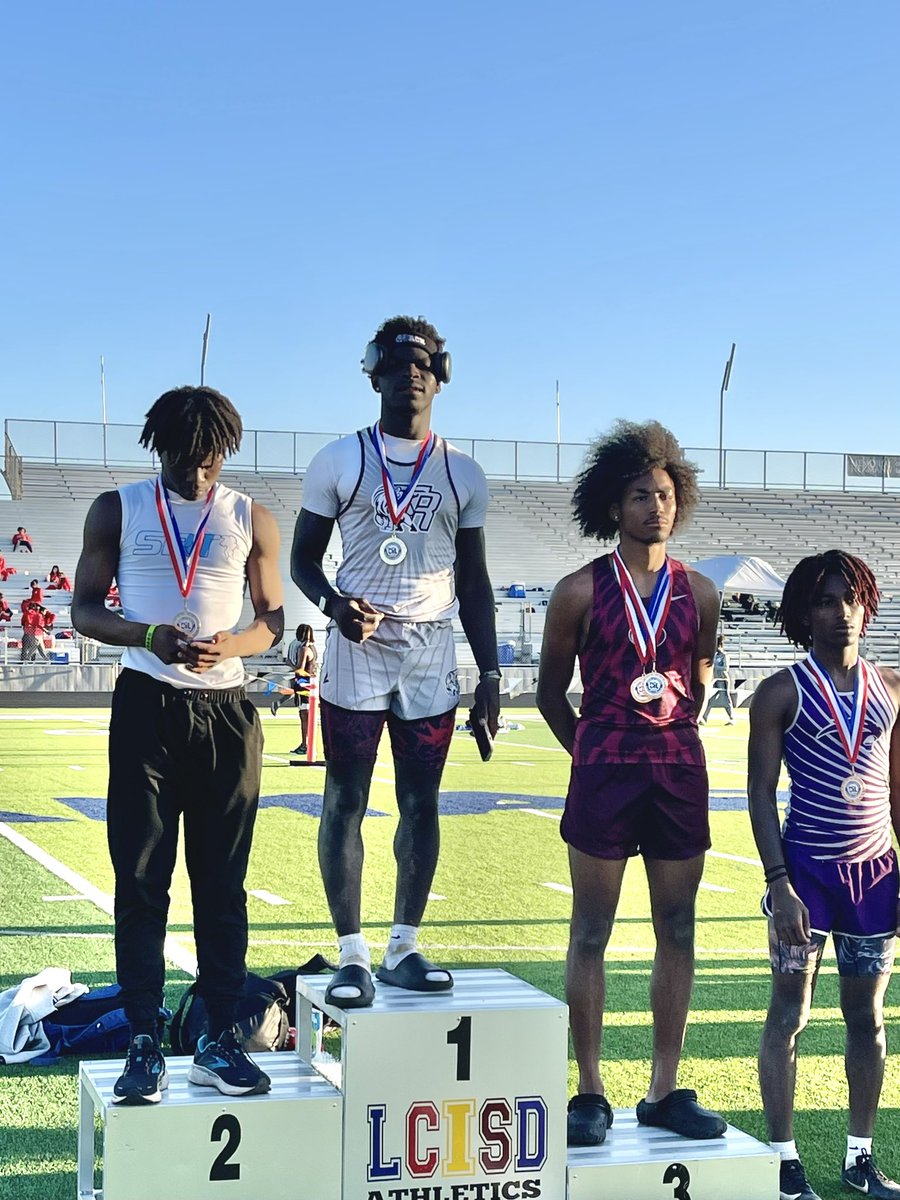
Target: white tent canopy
(741,573)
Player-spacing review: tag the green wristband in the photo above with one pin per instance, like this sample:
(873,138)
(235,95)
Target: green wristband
(148,636)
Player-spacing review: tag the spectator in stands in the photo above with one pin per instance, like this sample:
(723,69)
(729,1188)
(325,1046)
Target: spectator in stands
(303,657)
(37,592)
(830,868)
(113,600)
(48,618)
(58,582)
(32,633)
(644,629)
(411,524)
(184,740)
(721,688)
(5,611)
(6,571)
(21,540)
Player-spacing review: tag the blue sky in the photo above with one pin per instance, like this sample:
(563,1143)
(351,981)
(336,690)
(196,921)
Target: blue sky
(607,194)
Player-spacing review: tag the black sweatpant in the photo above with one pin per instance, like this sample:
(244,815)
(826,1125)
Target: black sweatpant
(174,751)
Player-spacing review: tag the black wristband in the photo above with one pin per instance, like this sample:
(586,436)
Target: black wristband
(498,675)
(776,873)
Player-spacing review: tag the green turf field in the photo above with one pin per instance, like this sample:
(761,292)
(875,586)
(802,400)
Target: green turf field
(500,898)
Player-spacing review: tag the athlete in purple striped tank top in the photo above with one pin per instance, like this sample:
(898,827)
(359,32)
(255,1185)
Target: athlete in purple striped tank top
(831,868)
(643,627)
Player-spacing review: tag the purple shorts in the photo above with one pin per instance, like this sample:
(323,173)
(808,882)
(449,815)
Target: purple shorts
(855,898)
(616,810)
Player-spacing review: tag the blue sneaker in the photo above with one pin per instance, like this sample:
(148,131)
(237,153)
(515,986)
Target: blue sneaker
(224,1065)
(144,1079)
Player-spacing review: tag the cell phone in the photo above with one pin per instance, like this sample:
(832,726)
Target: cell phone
(483,739)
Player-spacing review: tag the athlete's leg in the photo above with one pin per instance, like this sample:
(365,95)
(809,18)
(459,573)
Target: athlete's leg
(864,965)
(794,973)
(596,884)
(673,890)
(351,743)
(420,750)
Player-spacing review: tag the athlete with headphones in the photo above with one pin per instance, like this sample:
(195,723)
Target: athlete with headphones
(411,511)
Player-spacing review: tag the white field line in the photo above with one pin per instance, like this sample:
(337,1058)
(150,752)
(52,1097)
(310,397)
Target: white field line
(267,897)
(536,812)
(59,899)
(435,896)
(176,954)
(751,862)
(516,763)
(751,952)
(558,887)
(713,887)
(75,767)
(546,749)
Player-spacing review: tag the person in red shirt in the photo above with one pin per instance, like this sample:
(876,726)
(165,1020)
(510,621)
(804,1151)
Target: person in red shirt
(21,540)
(5,610)
(37,592)
(5,571)
(32,631)
(56,581)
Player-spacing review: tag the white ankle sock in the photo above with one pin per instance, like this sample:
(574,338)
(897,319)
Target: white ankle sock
(855,1146)
(403,940)
(786,1150)
(353,952)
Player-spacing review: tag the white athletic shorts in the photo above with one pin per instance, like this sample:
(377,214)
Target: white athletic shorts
(407,667)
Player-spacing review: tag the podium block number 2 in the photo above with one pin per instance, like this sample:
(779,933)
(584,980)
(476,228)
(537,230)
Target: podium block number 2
(461,1037)
(226,1126)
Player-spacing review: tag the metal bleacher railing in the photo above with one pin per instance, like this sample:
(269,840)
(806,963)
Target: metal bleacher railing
(288,452)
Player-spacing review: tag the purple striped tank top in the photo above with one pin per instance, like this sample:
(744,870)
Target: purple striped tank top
(613,727)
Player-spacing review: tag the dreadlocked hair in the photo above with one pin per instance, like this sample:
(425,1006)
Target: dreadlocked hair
(628,451)
(804,586)
(389,330)
(191,424)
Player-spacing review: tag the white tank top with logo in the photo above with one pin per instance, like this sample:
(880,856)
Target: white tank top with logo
(148,586)
(344,482)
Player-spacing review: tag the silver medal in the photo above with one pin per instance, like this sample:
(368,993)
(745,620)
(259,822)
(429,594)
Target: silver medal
(639,691)
(187,623)
(655,683)
(392,551)
(852,788)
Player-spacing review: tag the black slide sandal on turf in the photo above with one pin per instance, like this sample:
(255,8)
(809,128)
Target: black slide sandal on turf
(353,976)
(412,973)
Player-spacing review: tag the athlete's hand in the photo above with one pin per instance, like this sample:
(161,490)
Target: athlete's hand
(201,655)
(789,914)
(486,706)
(355,618)
(166,643)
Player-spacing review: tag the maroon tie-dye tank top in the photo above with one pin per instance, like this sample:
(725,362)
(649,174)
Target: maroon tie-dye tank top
(613,727)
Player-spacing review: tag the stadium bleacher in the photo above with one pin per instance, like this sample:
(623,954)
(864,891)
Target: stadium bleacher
(530,537)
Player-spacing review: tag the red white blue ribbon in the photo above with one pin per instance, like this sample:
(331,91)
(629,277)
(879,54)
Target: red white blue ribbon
(850,732)
(397,506)
(185,568)
(643,624)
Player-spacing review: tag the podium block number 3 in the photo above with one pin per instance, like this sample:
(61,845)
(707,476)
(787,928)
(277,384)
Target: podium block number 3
(678,1174)
(461,1037)
(226,1126)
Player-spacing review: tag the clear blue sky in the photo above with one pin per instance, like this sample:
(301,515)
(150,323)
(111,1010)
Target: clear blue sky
(604,193)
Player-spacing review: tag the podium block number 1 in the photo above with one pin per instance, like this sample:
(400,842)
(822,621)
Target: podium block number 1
(461,1037)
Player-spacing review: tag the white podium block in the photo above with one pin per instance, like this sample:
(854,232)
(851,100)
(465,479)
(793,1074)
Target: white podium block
(638,1162)
(197,1144)
(455,1095)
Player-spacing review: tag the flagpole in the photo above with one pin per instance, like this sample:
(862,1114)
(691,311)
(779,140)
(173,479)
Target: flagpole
(557,412)
(724,388)
(102,391)
(205,348)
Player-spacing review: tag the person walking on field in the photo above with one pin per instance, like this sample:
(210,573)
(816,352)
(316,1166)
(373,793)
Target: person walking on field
(304,658)
(831,866)
(183,736)
(721,683)
(411,510)
(643,628)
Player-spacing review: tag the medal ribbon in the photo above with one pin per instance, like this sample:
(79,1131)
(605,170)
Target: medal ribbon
(397,508)
(851,734)
(184,569)
(644,625)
